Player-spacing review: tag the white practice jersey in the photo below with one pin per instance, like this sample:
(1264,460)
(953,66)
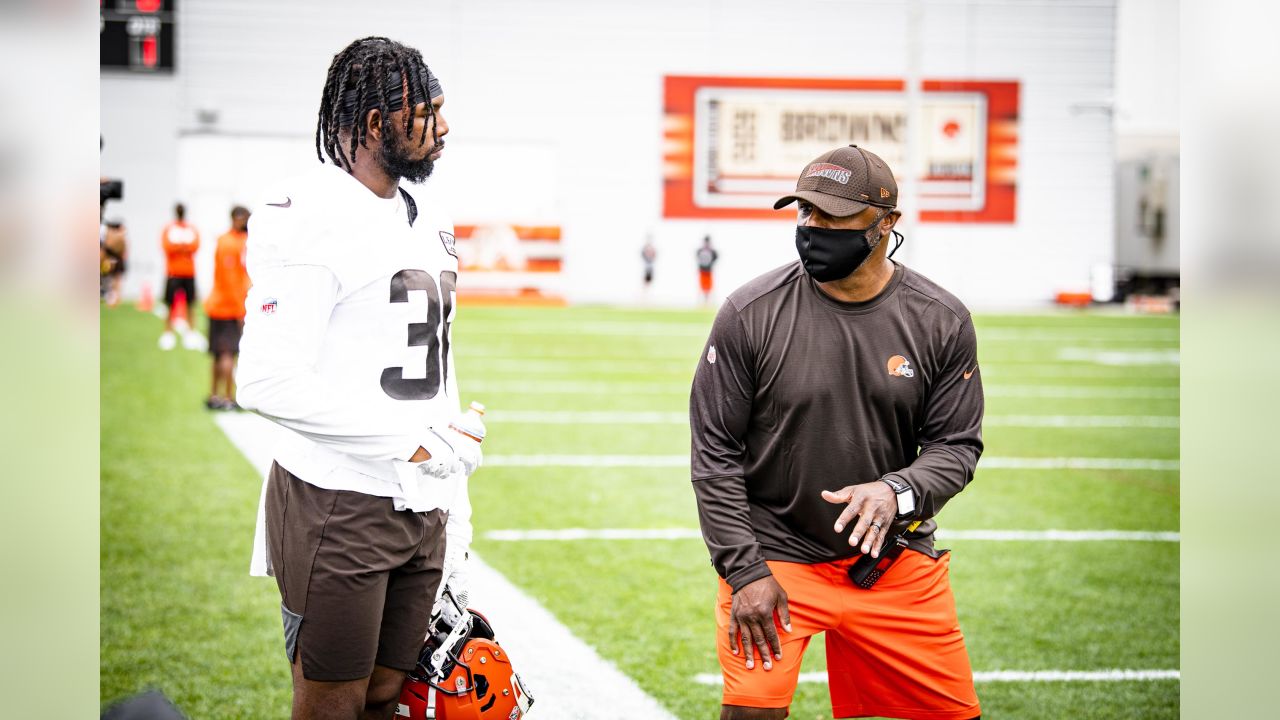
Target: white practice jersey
(347,336)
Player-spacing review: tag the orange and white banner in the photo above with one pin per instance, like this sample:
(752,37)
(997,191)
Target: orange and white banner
(510,263)
(732,145)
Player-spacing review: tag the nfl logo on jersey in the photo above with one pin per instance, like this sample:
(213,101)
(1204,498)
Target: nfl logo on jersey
(450,245)
(268,306)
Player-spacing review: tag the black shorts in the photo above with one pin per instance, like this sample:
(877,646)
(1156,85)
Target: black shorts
(187,285)
(224,336)
(357,578)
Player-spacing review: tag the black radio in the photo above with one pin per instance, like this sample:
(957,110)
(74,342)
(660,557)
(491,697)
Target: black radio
(866,570)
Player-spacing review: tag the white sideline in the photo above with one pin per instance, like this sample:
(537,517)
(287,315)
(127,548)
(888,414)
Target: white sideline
(986,463)
(566,534)
(565,675)
(1118,675)
(643,417)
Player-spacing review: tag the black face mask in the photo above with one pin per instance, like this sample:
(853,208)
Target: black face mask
(830,254)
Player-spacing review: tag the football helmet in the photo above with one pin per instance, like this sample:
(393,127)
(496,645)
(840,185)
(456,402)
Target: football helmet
(462,672)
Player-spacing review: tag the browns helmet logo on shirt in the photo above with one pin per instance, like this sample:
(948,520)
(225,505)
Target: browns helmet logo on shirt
(900,367)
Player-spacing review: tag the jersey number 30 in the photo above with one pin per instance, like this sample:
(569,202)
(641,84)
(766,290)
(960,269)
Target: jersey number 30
(394,383)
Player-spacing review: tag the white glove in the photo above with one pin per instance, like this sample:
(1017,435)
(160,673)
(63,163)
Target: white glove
(457,550)
(457,575)
(468,452)
(444,460)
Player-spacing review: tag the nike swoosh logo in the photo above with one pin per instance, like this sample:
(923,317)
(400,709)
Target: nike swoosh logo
(287,202)
(970,373)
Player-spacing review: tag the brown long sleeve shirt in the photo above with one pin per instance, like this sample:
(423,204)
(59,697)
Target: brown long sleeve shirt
(797,393)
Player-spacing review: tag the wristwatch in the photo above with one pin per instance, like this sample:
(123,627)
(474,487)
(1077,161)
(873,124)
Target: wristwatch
(906,496)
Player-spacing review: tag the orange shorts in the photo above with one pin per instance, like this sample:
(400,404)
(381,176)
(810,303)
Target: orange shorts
(892,651)
(704,280)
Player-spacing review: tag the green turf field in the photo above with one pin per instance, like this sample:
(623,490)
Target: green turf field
(179,612)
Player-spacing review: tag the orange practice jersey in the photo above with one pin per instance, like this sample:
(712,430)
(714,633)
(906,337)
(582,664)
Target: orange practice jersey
(230,279)
(180,241)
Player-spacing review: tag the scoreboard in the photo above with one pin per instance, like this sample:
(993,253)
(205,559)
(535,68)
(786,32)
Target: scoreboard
(137,35)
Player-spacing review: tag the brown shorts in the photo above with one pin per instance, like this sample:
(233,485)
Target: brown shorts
(357,578)
(224,336)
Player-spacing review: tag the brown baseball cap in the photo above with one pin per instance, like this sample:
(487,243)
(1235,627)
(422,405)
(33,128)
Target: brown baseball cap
(844,182)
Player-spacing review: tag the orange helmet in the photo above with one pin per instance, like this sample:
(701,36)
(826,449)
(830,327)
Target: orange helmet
(462,673)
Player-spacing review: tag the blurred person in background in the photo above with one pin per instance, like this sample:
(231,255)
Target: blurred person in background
(365,490)
(180,241)
(837,392)
(112,249)
(648,255)
(225,309)
(707,257)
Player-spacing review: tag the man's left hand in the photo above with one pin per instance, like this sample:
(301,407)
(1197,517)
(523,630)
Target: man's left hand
(469,455)
(875,506)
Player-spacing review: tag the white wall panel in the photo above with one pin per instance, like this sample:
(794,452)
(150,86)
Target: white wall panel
(570,91)
(140,145)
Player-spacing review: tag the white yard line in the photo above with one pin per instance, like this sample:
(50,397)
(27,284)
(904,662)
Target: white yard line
(1047,334)
(566,677)
(1071,392)
(625,387)
(1120,357)
(573,387)
(1082,421)
(590,417)
(1117,675)
(610,417)
(587,461)
(700,329)
(987,463)
(1077,463)
(1104,365)
(572,534)
(597,327)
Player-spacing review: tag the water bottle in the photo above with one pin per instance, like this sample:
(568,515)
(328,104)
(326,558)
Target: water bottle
(471,423)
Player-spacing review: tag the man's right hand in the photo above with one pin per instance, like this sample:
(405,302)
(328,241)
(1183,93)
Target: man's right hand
(751,621)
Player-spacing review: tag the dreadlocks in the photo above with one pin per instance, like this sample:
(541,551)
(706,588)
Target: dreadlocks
(372,73)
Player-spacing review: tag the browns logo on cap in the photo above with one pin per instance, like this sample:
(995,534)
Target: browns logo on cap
(844,182)
(827,170)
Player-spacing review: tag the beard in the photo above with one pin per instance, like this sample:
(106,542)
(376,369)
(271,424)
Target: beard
(396,160)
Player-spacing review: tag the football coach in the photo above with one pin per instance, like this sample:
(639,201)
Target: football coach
(836,408)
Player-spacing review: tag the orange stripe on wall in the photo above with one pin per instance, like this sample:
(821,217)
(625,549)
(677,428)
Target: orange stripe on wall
(524,232)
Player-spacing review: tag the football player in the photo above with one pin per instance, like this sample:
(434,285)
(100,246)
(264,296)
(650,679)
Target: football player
(180,241)
(347,343)
(225,309)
